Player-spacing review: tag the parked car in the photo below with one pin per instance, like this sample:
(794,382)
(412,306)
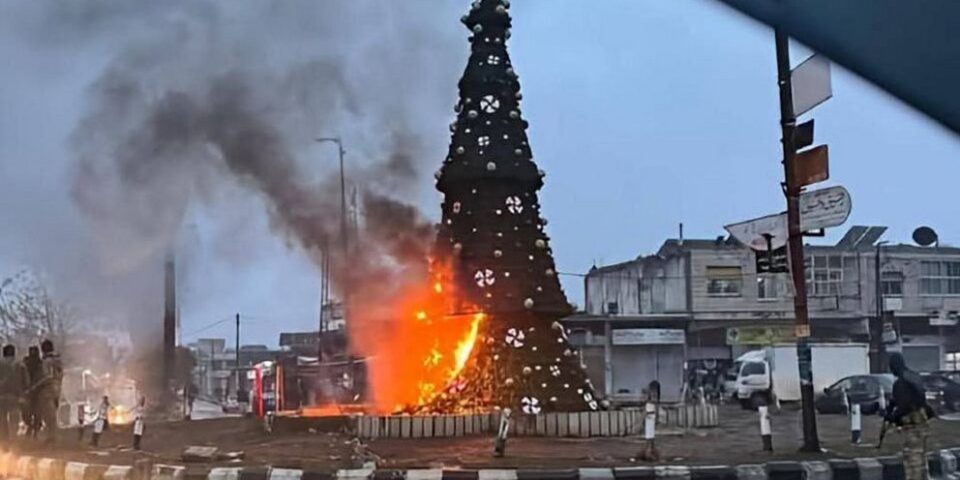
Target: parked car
(863,390)
(951,374)
(232,406)
(943,393)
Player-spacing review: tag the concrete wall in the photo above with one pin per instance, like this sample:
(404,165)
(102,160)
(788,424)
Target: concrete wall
(619,284)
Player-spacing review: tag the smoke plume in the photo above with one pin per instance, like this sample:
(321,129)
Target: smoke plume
(193,99)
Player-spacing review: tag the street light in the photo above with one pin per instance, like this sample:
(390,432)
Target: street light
(343,190)
(343,240)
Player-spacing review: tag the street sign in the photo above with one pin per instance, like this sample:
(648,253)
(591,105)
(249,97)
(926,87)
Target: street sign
(824,208)
(761,233)
(648,336)
(760,335)
(811,84)
(811,166)
(892,304)
(803,135)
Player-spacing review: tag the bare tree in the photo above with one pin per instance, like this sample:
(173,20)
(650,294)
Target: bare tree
(29,313)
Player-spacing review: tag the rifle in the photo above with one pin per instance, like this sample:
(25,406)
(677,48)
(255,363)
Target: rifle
(883,432)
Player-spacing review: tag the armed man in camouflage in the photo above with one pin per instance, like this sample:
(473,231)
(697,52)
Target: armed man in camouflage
(909,411)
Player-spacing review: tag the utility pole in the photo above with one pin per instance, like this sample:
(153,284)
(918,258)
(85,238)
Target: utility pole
(324,295)
(237,359)
(169,321)
(792,190)
(878,350)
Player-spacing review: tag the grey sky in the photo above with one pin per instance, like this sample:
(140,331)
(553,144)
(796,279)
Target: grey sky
(643,113)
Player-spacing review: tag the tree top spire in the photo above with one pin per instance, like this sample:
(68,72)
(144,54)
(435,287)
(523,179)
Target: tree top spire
(488,16)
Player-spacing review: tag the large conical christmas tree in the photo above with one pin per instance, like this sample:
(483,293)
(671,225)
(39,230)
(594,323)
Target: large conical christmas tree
(493,244)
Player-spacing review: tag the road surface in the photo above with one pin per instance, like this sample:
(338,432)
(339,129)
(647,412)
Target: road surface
(204,410)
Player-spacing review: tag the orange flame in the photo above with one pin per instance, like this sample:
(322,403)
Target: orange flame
(416,354)
(462,353)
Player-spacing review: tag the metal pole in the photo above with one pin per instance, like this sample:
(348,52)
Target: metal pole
(324,296)
(343,191)
(237,359)
(343,203)
(792,190)
(877,347)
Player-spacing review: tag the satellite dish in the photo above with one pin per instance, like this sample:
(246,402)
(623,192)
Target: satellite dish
(924,236)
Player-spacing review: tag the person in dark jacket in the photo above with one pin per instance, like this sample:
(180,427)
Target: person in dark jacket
(909,410)
(48,390)
(13,382)
(34,365)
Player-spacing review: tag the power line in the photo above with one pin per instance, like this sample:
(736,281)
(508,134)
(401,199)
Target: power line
(208,326)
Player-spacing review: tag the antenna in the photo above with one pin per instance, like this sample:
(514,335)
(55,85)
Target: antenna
(925,236)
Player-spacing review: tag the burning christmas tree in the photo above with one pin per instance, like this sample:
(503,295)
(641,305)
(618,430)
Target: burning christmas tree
(493,249)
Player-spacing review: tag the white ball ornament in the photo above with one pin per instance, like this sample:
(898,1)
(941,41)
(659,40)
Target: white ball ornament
(477,28)
(540,243)
(527,370)
(491,166)
(473,114)
(508,382)
(528,303)
(497,253)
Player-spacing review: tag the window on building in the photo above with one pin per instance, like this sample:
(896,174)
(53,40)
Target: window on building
(940,278)
(824,274)
(724,281)
(891,283)
(953,361)
(770,286)
(613,308)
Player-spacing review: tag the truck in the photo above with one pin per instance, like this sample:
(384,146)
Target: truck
(772,373)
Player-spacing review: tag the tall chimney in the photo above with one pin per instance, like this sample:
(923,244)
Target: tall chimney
(169,320)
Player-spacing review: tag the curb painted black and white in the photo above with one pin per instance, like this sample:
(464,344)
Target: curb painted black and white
(943,465)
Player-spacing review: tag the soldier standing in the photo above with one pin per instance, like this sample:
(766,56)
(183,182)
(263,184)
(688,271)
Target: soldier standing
(48,390)
(13,381)
(909,410)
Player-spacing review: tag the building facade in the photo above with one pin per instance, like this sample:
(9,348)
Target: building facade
(215,372)
(701,303)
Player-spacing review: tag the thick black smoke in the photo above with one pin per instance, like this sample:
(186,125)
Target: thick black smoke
(193,98)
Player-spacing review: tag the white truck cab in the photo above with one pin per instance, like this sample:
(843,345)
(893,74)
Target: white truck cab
(753,378)
(772,373)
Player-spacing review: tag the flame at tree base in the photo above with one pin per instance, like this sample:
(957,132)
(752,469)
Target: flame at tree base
(415,355)
(426,361)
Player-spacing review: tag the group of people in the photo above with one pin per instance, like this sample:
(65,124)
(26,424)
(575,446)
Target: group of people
(30,391)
